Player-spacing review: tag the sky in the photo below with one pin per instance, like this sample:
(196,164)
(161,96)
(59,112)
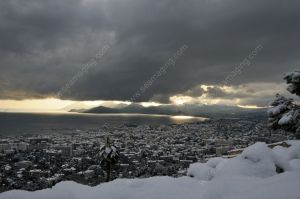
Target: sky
(232,52)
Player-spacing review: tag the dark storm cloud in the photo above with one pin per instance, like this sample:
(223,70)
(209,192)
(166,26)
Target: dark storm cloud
(216,92)
(160,98)
(45,43)
(195,92)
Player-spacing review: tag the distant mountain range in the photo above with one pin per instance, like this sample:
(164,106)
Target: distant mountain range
(188,109)
(76,106)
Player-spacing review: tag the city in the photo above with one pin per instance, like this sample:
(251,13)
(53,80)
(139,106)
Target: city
(34,162)
(143,99)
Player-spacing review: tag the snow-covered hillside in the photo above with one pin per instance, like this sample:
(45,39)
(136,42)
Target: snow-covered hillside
(253,174)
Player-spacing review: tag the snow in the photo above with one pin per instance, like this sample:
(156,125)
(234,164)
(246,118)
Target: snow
(213,162)
(288,118)
(295,165)
(107,150)
(201,171)
(7,167)
(284,113)
(277,109)
(255,161)
(293,79)
(252,174)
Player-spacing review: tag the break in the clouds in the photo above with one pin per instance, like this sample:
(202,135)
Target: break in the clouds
(249,94)
(43,44)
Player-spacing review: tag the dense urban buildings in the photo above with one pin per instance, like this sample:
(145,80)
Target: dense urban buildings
(33,162)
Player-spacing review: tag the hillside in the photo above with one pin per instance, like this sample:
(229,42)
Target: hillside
(252,174)
(193,110)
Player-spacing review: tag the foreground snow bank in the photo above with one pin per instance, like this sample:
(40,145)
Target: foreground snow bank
(257,160)
(249,175)
(282,186)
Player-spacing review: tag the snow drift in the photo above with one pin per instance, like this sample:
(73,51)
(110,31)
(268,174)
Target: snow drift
(259,172)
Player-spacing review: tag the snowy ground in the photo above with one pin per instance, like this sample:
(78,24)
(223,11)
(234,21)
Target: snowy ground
(251,175)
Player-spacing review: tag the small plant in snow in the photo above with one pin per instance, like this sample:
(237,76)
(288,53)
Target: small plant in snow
(109,156)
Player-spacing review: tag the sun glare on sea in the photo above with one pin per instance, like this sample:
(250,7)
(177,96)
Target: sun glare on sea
(182,117)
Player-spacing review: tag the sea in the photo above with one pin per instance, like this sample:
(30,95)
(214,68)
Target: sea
(40,123)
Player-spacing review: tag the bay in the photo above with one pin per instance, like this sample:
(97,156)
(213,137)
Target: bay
(39,123)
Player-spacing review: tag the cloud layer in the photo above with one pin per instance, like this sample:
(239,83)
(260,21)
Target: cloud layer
(46,43)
